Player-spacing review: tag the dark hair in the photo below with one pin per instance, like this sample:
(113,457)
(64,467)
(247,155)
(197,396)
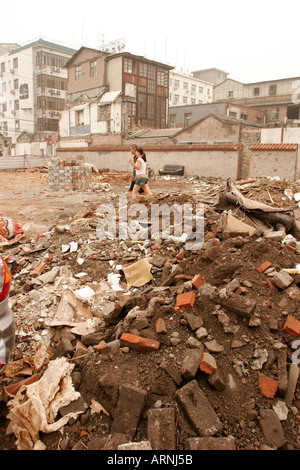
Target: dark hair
(143,155)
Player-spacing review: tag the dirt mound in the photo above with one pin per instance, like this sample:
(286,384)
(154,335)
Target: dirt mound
(209,323)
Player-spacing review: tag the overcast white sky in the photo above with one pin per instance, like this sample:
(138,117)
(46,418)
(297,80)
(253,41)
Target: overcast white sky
(252,41)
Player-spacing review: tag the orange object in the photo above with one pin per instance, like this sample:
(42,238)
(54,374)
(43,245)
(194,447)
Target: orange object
(198,281)
(263,267)
(267,386)
(186,300)
(292,326)
(139,343)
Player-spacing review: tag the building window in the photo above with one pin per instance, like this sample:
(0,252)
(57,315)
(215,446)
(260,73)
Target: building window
(143,70)
(162,77)
(187,119)
(193,89)
(230,94)
(256,91)
(16,105)
(4,107)
(2,67)
(16,84)
(258,119)
(176,84)
(193,101)
(232,114)
(15,63)
(244,116)
(93,68)
(273,89)
(128,66)
(151,72)
(201,89)
(185,86)
(173,121)
(79,118)
(184,99)
(274,114)
(17,125)
(142,105)
(5,126)
(151,86)
(151,107)
(176,99)
(78,73)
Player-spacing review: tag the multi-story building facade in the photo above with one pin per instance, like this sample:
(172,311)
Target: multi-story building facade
(33,87)
(114,94)
(279,99)
(188,90)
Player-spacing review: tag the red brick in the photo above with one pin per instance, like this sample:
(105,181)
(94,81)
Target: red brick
(186,300)
(208,364)
(271,285)
(292,326)
(241,290)
(38,270)
(160,326)
(139,343)
(264,266)
(198,281)
(267,386)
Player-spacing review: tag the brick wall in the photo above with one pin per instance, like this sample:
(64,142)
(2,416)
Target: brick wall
(69,174)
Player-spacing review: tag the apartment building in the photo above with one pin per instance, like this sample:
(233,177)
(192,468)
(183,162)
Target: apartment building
(114,94)
(188,90)
(33,87)
(278,99)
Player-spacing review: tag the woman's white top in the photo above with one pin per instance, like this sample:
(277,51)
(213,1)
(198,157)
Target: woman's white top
(143,169)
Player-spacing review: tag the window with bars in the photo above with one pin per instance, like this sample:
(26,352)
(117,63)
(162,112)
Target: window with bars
(143,70)
(162,77)
(151,86)
(128,68)
(151,72)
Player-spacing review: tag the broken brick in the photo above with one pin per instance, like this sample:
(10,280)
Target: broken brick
(292,326)
(38,270)
(101,347)
(198,281)
(263,267)
(160,326)
(208,364)
(139,343)
(186,300)
(241,290)
(267,386)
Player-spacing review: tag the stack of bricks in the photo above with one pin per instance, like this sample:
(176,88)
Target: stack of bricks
(69,174)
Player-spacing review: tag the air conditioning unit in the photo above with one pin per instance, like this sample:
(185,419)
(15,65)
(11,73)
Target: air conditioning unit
(2,114)
(13,112)
(53,69)
(58,70)
(51,91)
(58,92)
(12,92)
(12,70)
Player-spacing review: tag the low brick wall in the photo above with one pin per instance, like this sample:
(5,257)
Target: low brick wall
(281,160)
(69,175)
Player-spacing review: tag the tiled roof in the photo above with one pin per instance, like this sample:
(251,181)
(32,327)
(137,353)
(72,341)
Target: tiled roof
(274,147)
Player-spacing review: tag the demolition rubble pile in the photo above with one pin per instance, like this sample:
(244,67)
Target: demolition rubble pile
(143,344)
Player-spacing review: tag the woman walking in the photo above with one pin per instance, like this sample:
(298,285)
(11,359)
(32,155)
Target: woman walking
(141,178)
